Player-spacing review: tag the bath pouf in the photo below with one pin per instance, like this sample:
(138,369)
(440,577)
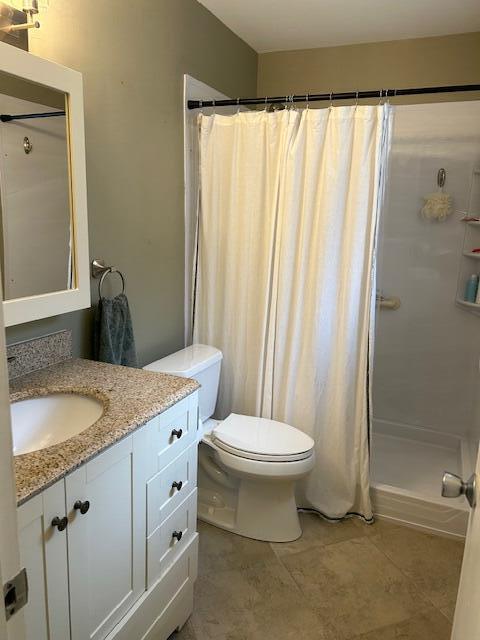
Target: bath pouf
(437,206)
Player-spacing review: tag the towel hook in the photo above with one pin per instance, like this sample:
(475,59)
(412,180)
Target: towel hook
(100,270)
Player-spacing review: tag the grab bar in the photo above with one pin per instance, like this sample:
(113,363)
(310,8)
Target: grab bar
(392,303)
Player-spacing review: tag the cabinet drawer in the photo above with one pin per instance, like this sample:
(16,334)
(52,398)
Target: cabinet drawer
(168,488)
(172,432)
(168,540)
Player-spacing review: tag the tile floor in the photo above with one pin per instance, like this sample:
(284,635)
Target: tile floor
(337,582)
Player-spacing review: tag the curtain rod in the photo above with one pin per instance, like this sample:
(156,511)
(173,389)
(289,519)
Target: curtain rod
(27,116)
(345,95)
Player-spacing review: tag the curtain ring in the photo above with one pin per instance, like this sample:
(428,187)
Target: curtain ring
(331,99)
(266,106)
(238,105)
(356,98)
(380,96)
(306,100)
(213,105)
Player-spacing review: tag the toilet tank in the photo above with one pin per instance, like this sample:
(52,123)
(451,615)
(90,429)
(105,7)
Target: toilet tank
(201,362)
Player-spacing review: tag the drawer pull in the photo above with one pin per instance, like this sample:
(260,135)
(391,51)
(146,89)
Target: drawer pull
(178,535)
(83,507)
(177,485)
(60,523)
(177,433)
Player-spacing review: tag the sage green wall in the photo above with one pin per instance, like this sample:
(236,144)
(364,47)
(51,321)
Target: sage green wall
(133,56)
(401,63)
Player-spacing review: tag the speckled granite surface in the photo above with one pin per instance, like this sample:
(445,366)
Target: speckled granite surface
(131,398)
(38,353)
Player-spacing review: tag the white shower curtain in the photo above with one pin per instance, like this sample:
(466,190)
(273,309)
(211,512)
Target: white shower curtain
(287,224)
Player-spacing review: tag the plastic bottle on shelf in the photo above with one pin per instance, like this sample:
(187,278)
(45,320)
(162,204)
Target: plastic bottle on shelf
(477,298)
(471,289)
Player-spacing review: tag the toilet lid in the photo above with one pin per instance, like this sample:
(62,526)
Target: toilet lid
(261,437)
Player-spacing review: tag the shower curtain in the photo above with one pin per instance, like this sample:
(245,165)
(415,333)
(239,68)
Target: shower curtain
(289,203)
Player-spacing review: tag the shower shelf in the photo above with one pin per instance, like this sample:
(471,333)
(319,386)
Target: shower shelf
(470,240)
(470,305)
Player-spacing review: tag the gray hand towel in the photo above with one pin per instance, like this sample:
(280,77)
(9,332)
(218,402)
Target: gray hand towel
(113,332)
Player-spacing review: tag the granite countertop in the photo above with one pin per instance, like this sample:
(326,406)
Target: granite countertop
(131,398)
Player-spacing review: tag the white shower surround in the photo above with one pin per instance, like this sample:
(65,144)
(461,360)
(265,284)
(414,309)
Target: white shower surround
(426,377)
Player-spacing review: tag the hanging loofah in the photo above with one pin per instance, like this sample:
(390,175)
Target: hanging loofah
(437,206)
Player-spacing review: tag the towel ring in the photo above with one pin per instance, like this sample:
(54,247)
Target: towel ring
(105,274)
(100,270)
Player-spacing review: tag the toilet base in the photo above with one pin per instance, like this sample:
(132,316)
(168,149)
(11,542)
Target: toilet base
(268,511)
(258,508)
(278,522)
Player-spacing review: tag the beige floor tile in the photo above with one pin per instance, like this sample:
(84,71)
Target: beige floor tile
(433,563)
(339,582)
(428,625)
(261,602)
(319,532)
(220,550)
(449,611)
(354,587)
(187,633)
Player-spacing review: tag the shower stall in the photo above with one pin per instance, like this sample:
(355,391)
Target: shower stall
(426,417)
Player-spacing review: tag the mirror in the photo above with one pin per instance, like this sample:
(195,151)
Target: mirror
(35,213)
(44,257)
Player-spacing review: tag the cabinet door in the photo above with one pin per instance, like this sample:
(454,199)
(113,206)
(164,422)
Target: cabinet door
(106,543)
(43,552)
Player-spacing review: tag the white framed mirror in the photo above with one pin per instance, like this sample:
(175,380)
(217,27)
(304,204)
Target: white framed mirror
(44,257)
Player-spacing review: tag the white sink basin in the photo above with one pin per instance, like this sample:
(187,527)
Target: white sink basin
(42,421)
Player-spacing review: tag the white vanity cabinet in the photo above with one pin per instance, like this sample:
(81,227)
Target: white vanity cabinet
(124,566)
(43,552)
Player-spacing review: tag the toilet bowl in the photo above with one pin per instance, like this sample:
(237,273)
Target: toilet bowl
(248,466)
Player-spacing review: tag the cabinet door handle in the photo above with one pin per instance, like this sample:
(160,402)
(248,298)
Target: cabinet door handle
(178,535)
(60,523)
(177,433)
(177,485)
(83,507)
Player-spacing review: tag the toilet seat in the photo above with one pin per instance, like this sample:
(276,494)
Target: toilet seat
(261,439)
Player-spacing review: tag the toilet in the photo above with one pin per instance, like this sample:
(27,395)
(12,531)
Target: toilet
(247,466)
